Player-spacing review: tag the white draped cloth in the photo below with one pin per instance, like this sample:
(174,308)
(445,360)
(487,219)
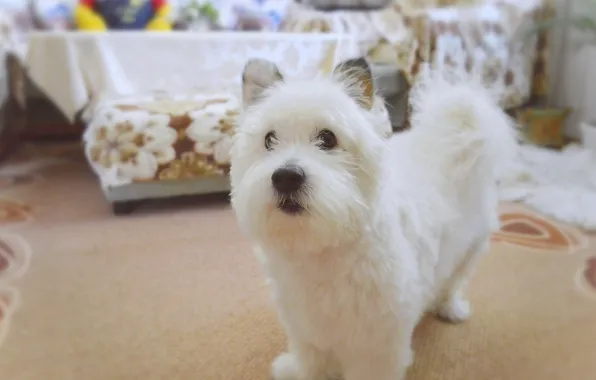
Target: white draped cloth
(78,70)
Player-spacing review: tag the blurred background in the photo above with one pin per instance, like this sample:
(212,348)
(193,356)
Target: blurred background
(119,255)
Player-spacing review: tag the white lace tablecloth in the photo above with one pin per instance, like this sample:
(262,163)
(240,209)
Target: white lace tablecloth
(78,70)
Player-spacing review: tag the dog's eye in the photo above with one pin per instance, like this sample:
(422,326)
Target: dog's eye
(270,140)
(327,139)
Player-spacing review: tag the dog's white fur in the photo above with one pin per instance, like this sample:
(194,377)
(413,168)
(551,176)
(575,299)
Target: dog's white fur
(391,227)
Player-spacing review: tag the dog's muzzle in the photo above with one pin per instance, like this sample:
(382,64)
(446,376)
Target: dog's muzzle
(288,181)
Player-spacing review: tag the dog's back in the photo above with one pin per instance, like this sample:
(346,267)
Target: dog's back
(460,143)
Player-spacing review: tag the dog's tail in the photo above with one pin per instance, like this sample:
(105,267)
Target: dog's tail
(463,127)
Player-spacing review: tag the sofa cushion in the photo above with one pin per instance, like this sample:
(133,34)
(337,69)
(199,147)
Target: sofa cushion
(161,137)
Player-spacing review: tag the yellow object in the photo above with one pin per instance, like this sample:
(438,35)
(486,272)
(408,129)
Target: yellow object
(89,20)
(161,20)
(86,19)
(159,24)
(544,126)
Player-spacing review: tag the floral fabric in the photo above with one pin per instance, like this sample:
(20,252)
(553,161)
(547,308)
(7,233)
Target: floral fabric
(161,138)
(477,36)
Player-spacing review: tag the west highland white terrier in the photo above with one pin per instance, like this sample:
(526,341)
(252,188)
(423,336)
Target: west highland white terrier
(360,235)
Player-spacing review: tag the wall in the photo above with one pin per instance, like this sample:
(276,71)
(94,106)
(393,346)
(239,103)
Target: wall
(574,73)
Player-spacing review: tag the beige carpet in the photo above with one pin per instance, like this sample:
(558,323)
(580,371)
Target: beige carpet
(173,291)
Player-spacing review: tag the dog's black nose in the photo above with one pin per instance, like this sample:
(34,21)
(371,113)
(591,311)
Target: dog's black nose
(288,179)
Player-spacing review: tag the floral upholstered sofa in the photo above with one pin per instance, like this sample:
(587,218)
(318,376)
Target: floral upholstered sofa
(156,145)
(473,35)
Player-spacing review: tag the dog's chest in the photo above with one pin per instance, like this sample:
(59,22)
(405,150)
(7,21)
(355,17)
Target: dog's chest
(329,301)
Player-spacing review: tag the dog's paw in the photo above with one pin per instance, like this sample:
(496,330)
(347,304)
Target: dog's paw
(455,310)
(285,367)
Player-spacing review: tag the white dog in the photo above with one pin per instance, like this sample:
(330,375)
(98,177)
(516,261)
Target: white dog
(360,235)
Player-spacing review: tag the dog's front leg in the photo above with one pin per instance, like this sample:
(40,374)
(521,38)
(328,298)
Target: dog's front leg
(302,362)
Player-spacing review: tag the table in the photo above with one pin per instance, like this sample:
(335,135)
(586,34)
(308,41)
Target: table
(77,70)
(12,103)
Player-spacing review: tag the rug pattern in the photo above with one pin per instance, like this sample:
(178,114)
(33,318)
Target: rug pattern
(15,253)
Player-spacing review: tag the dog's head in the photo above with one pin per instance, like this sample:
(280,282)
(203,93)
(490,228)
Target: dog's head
(306,155)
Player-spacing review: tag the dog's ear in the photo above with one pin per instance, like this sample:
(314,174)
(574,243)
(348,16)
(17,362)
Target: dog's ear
(357,76)
(258,75)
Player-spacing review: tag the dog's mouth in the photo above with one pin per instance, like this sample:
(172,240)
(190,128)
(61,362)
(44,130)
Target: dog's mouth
(290,207)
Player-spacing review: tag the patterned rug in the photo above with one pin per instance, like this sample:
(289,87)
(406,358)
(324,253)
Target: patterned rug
(174,292)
